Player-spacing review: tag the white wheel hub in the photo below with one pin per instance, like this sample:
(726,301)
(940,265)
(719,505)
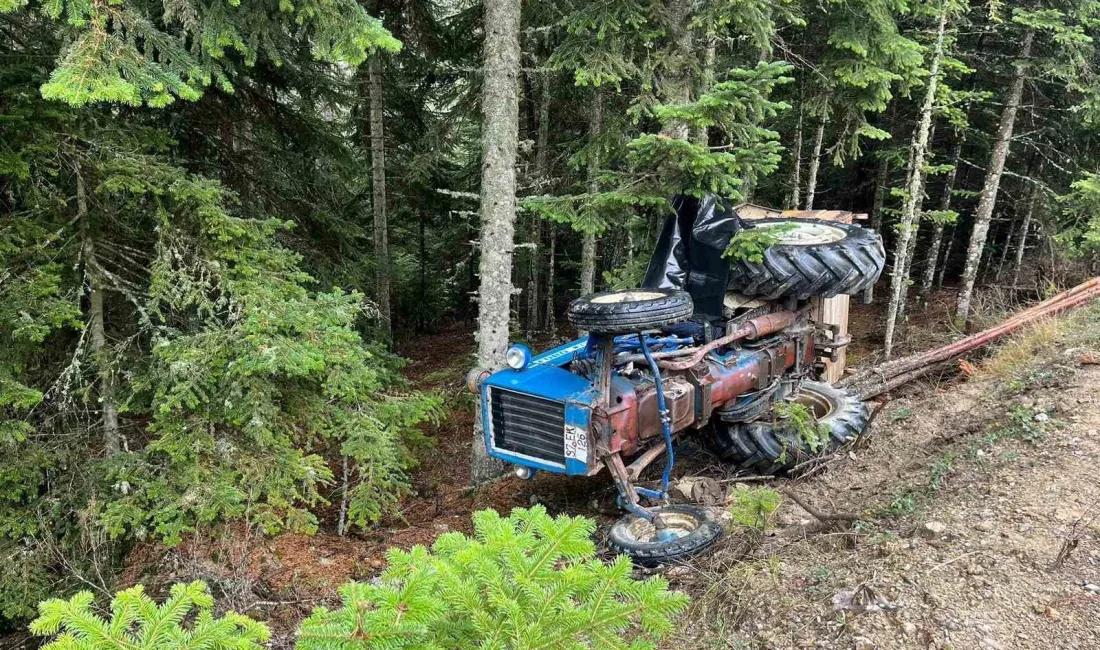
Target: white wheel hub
(795,233)
(627,296)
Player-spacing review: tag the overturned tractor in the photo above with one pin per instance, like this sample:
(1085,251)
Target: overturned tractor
(725,348)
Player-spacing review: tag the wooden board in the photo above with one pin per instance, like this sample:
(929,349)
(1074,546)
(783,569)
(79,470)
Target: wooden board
(826,311)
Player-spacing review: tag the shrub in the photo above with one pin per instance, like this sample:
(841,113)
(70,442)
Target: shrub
(523,582)
(138,623)
(527,581)
(753,508)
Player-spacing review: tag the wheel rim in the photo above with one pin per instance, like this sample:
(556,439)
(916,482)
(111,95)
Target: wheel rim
(627,296)
(794,233)
(820,405)
(676,523)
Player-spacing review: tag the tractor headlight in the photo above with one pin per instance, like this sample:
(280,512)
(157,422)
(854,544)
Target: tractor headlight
(517,357)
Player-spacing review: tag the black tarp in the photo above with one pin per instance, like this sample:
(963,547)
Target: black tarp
(689,252)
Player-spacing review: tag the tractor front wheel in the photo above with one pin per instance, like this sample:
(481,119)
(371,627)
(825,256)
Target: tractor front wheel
(626,312)
(688,530)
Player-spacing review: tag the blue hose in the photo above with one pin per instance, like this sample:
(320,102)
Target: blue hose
(666,418)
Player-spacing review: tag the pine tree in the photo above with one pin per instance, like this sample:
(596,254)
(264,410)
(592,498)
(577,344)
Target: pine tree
(992,183)
(184,621)
(500,106)
(915,186)
(373,81)
(526,582)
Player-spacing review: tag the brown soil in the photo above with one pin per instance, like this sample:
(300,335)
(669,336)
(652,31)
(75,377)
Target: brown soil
(963,513)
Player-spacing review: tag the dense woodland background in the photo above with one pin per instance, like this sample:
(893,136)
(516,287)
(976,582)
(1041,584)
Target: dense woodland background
(218,219)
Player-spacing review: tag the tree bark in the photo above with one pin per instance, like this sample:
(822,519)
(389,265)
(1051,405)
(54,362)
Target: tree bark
(542,175)
(815,164)
(937,230)
(882,179)
(1021,244)
(706,80)
(421,317)
(97,337)
(910,251)
(1009,238)
(499,134)
(946,256)
(533,300)
(542,152)
(796,170)
(988,252)
(988,199)
(378,197)
(676,86)
(907,229)
(551,323)
(588,248)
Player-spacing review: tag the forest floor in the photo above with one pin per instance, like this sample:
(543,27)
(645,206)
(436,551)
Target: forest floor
(965,494)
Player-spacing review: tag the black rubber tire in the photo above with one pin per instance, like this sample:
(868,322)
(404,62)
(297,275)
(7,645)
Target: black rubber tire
(651,554)
(768,447)
(814,270)
(619,312)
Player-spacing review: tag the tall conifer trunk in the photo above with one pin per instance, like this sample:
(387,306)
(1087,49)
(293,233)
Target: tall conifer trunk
(97,337)
(1021,244)
(551,322)
(937,231)
(796,167)
(1009,238)
(706,80)
(588,244)
(676,85)
(992,183)
(499,133)
(542,175)
(907,229)
(815,163)
(882,178)
(382,268)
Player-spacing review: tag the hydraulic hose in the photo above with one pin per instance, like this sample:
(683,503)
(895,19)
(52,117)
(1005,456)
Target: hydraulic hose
(666,418)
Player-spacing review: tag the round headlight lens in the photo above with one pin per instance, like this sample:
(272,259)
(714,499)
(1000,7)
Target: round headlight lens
(517,357)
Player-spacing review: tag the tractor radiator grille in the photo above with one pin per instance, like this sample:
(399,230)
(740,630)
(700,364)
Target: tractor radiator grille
(527,425)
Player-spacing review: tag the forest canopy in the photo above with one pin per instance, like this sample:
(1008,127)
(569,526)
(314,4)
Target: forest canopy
(220,220)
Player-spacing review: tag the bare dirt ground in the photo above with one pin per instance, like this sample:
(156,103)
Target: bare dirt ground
(966,493)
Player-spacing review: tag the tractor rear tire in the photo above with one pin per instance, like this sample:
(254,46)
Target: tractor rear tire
(813,259)
(768,447)
(634,310)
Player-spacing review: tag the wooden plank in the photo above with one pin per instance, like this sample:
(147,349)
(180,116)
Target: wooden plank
(833,311)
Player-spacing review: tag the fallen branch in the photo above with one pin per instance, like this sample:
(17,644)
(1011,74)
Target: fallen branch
(746,479)
(843,517)
(890,375)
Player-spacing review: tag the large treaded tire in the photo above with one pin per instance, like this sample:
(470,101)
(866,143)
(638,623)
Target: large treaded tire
(635,310)
(812,269)
(768,447)
(652,553)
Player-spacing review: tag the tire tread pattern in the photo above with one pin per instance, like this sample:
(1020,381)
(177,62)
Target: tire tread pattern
(767,448)
(672,308)
(847,266)
(652,554)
